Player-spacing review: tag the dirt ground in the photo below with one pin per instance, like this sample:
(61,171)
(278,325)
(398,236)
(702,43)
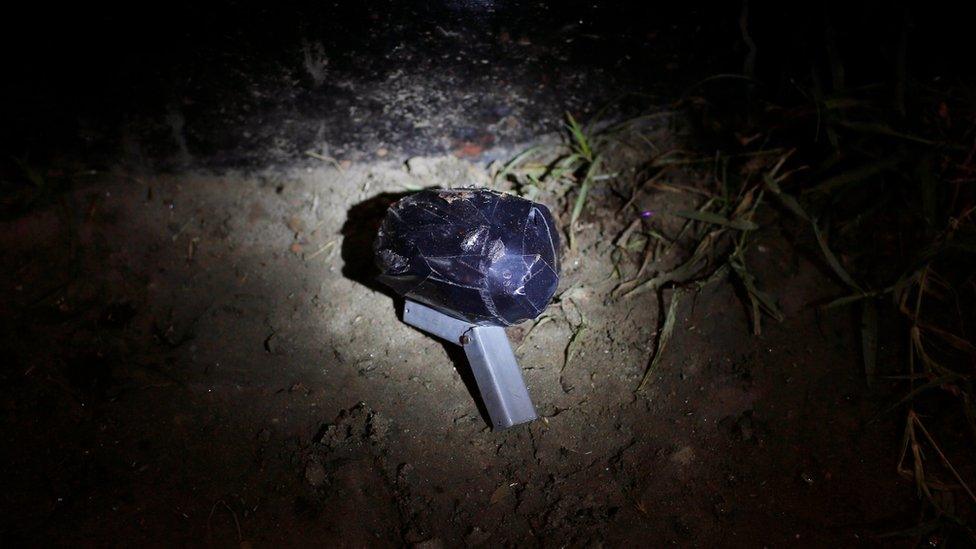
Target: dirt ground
(195,358)
(196,353)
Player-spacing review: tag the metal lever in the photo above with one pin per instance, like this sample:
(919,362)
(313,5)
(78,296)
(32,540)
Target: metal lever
(491,359)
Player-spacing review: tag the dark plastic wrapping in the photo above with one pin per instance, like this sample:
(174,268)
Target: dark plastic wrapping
(478,255)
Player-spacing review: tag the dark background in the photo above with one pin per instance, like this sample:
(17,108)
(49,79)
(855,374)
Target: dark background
(81,78)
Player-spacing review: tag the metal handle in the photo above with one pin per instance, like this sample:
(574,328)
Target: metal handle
(492,362)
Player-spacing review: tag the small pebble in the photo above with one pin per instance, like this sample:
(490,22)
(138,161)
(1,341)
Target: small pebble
(315,474)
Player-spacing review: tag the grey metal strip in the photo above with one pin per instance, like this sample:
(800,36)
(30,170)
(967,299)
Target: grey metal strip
(492,362)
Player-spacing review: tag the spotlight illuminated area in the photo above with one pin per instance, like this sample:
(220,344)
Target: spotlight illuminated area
(488,273)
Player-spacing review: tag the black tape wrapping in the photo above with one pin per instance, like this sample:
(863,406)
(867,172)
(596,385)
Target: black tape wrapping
(478,255)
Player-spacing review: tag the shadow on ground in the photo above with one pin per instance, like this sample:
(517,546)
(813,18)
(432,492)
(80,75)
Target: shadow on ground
(359,233)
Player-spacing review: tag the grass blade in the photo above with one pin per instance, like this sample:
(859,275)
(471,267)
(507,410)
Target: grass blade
(581,200)
(581,142)
(945,460)
(787,200)
(510,166)
(869,338)
(683,272)
(760,300)
(832,259)
(928,386)
(848,299)
(886,130)
(716,219)
(662,340)
(571,346)
(852,176)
